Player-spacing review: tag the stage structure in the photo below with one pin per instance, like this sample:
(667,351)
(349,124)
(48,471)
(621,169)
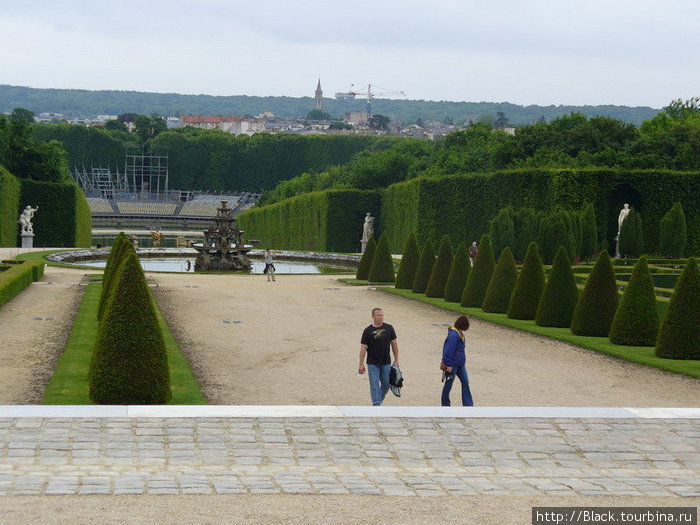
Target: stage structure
(100,182)
(147,175)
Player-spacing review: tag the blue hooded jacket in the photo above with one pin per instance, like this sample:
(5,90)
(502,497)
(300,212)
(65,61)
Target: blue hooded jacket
(453,351)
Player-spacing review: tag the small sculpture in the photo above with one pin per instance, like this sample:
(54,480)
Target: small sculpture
(156,236)
(25,219)
(368,228)
(623,215)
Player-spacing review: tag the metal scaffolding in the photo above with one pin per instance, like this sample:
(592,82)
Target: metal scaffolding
(147,175)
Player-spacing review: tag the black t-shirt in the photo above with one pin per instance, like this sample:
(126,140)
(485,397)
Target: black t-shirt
(378,341)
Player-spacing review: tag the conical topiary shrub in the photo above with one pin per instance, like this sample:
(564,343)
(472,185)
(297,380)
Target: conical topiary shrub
(129,362)
(589,232)
(631,240)
(636,321)
(501,284)
(596,308)
(480,275)
(441,269)
(560,294)
(120,249)
(425,268)
(409,263)
(502,230)
(673,235)
(366,261)
(529,286)
(382,270)
(458,274)
(679,337)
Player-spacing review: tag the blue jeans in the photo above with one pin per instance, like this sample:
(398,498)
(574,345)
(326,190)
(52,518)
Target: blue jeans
(461,372)
(378,382)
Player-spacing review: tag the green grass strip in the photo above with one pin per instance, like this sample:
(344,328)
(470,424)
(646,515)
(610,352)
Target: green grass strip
(69,384)
(643,355)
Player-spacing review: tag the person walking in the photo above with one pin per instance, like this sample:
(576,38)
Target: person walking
(269,265)
(454,358)
(376,340)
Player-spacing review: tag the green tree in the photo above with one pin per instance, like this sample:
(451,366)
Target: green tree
(149,127)
(318,114)
(558,302)
(425,268)
(441,269)
(480,275)
(366,260)
(382,269)
(379,122)
(502,230)
(529,286)
(501,284)
(636,321)
(458,274)
(589,232)
(596,308)
(679,337)
(129,363)
(409,263)
(631,236)
(674,232)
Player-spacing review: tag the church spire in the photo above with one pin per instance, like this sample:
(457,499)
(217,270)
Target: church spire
(318,102)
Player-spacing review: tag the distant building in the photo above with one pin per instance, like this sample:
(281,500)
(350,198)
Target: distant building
(356,117)
(233,125)
(318,102)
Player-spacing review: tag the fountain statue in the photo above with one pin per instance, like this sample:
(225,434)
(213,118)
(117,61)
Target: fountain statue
(223,248)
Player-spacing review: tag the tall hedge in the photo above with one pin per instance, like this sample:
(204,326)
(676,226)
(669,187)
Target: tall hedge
(366,260)
(597,305)
(458,275)
(382,269)
(441,269)
(501,285)
(480,275)
(679,337)
(636,321)
(560,295)
(529,286)
(425,267)
(589,232)
(409,263)
(129,363)
(10,188)
(674,233)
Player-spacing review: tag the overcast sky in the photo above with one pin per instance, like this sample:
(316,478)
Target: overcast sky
(637,52)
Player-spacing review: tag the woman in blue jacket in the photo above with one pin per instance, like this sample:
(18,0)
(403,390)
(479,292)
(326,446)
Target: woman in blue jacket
(454,358)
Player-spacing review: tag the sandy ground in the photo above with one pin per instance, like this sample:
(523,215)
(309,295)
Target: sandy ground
(296,341)
(296,510)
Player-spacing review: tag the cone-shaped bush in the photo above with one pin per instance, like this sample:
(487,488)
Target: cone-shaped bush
(631,236)
(679,337)
(589,232)
(129,362)
(560,294)
(674,232)
(529,286)
(409,263)
(441,269)
(555,232)
(480,275)
(525,220)
(120,249)
(382,270)
(458,275)
(636,321)
(502,230)
(502,284)
(425,268)
(366,261)
(596,308)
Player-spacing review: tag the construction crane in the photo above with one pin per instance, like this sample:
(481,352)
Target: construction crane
(370,94)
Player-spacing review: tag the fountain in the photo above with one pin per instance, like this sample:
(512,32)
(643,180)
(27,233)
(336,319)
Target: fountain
(223,248)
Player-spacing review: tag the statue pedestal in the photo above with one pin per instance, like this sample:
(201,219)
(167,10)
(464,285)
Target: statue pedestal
(364,245)
(617,246)
(27,240)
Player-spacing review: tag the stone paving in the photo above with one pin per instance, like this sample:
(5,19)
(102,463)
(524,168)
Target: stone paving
(411,456)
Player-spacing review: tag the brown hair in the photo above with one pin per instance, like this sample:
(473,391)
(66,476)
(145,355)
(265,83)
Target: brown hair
(462,323)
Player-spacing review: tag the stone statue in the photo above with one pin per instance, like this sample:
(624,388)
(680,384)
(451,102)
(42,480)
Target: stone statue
(25,219)
(623,215)
(368,228)
(156,236)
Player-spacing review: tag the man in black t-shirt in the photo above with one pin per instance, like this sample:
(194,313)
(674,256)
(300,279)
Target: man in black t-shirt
(376,340)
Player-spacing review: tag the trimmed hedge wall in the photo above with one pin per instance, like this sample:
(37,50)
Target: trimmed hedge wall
(63,218)
(17,277)
(9,208)
(326,221)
